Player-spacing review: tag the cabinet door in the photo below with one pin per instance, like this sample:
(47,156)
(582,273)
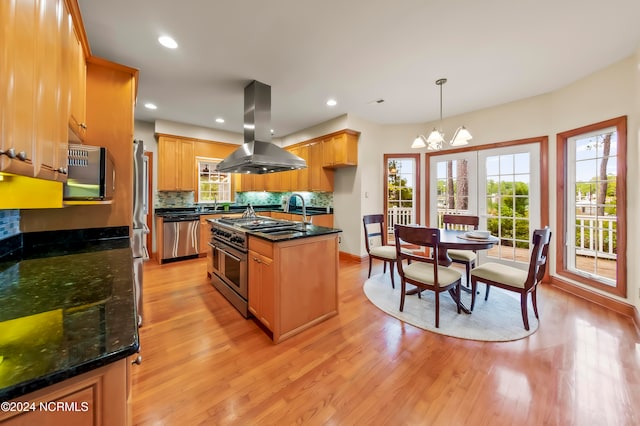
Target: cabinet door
(167,164)
(176,165)
(262,288)
(187,169)
(321,178)
(303,174)
(340,150)
(78,87)
(323,220)
(18,78)
(49,111)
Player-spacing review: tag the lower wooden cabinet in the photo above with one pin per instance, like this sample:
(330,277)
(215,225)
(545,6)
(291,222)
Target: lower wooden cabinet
(293,284)
(98,397)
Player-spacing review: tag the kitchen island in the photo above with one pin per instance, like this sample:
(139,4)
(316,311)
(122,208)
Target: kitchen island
(293,280)
(68,324)
(284,273)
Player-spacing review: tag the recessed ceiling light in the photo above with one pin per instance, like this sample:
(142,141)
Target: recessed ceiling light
(332,102)
(219,120)
(167,41)
(149,105)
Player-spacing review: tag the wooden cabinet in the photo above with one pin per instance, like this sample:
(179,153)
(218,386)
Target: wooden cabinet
(340,149)
(303,174)
(98,397)
(262,288)
(176,165)
(42,81)
(320,178)
(282,216)
(323,220)
(78,87)
(293,284)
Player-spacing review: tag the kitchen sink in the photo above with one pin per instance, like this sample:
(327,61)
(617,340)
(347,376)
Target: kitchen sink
(282,230)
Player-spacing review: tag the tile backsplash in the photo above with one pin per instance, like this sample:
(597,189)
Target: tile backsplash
(9,223)
(187,199)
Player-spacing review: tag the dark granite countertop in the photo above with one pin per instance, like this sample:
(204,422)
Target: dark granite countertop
(65,314)
(177,211)
(309,231)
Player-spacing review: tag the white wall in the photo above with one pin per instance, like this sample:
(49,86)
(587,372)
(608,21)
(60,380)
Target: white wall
(611,92)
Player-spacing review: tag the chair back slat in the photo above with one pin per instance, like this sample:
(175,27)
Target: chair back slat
(374,231)
(460,222)
(421,237)
(539,254)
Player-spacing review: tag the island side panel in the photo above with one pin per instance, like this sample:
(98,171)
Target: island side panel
(308,283)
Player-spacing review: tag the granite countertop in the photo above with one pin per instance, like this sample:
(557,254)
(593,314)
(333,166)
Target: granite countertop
(64,315)
(177,211)
(309,231)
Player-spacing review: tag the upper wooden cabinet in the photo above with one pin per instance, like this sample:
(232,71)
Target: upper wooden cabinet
(340,149)
(176,164)
(78,87)
(320,178)
(41,65)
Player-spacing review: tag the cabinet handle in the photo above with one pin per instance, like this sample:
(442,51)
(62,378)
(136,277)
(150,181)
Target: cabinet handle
(83,126)
(22,156)
(138,360)
(11,153)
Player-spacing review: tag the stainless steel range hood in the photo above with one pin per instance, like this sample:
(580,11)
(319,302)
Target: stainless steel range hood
(258,155)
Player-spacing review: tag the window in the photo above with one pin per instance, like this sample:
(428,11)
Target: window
(592,211)
(502,184)
(402,189)
(212,185)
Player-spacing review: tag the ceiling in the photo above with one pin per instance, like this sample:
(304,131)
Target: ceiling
(357,51)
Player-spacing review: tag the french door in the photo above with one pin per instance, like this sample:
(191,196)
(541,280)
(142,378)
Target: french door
(499,185)
(402,190)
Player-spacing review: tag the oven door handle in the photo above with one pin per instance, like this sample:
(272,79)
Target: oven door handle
(226,252)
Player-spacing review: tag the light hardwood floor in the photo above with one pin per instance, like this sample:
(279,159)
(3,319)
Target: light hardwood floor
(205,364)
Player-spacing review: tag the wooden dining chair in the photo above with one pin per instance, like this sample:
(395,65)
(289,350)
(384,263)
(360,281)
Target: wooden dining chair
(465,223)
(514,279)
(375,240)
(422,270)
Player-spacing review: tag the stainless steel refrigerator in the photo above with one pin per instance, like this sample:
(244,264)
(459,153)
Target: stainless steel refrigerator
(140,211)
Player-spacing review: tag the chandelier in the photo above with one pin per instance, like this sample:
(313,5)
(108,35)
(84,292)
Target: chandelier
(436,137)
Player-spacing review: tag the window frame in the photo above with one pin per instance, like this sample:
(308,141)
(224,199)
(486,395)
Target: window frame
(211,160)
(562,146)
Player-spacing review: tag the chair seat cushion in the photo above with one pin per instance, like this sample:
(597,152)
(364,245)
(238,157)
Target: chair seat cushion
(498,272)
(462,255)
(423,272)
(388,252)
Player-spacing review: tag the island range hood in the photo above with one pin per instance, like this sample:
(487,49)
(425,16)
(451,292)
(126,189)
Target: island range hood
(257,155)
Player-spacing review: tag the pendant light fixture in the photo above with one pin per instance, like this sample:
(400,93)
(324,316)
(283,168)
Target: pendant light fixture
(436,137)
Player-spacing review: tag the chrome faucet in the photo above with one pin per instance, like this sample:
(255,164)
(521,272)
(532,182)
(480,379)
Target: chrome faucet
(304,208)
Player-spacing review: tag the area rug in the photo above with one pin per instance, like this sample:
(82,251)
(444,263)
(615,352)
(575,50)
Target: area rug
(496,320)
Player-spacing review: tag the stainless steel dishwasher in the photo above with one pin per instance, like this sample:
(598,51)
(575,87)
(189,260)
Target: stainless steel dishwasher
(181,236)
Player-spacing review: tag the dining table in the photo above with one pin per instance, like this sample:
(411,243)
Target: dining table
(459,240)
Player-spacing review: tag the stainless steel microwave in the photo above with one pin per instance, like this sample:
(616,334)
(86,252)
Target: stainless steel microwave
(91,173)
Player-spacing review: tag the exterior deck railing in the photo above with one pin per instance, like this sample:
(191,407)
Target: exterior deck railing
(593,234)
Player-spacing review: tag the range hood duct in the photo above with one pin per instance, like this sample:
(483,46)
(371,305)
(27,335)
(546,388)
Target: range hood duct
(258,155)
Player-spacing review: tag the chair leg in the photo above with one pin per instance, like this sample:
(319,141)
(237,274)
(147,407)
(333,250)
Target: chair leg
(474,287)
(437,309)
(459,292)
(534,299)
(370,261)
(384,267)
(523,307)
(486,294)
(391,267)
(403,290)
(468,268)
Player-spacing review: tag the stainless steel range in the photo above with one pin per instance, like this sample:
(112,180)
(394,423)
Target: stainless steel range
(229,244)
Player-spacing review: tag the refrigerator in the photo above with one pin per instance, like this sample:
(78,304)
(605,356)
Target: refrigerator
(140,228)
